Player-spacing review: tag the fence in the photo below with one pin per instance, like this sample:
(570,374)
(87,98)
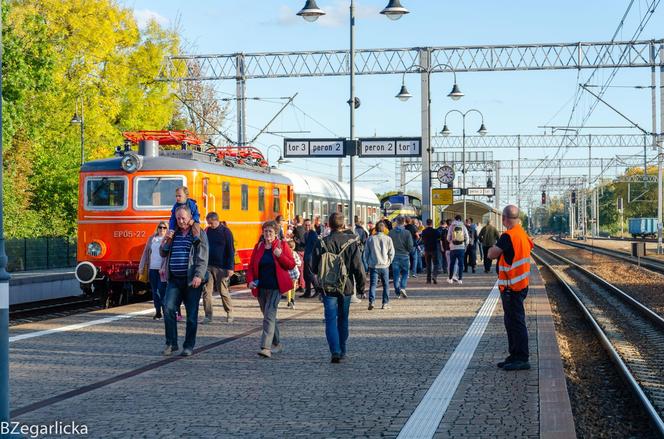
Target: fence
(40,253)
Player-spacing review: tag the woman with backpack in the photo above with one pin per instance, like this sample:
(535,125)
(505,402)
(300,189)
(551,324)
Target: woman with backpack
(268,279)
(457,236)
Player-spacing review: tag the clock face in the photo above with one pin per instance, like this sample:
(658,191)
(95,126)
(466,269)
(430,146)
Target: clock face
(445,174)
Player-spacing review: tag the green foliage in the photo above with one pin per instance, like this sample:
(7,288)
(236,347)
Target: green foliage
(60,58)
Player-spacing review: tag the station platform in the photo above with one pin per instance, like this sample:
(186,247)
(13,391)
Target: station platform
(37,285)
(425,368)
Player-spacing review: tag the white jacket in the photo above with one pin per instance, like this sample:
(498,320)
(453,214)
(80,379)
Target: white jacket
(378,251)
(450,234)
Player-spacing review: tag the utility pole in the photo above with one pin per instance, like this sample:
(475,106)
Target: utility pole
(659,150)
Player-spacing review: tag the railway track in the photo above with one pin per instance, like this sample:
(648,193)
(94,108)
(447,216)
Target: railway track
(51,309)
(632,334)
(646,262)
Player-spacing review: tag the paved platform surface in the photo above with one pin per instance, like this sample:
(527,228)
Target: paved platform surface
(111,377)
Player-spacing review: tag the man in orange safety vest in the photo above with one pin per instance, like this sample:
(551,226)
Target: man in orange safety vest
(513,253)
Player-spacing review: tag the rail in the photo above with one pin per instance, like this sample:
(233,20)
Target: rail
(622,367)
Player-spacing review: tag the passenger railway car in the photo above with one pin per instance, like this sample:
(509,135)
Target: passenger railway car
(121,200)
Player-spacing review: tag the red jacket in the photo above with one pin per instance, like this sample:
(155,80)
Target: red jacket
(282,264)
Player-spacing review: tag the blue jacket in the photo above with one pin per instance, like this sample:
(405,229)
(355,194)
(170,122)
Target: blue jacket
(195,215)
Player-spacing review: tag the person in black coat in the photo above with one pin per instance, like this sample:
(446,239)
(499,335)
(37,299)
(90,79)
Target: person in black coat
(310,246)
(337,303)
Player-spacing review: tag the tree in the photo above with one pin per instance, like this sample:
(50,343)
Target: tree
(57,55)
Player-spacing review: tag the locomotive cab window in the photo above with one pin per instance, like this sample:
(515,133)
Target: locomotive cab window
(156,193)
(105,193)
(261,199)
(225,195)
(276,207)
(245,197)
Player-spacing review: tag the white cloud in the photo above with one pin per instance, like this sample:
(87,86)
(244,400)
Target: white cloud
(144,16)
(336,15)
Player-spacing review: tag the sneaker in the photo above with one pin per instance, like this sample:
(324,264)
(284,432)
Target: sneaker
(168,350)
(278,348)
(179,318)
(336,358)
(187,352)
(435,281)
(517,365)
(450,281)
(504,362)
(386,306)
(413,276)
(292,304)
(459,281)
(229,317)
(289,305)
(206,321)
(371,306)
(362,296)
(403,294)
(265,353)
(157,316)
(355,299)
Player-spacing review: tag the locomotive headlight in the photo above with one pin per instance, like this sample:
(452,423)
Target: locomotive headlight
(96,249)
(131,162)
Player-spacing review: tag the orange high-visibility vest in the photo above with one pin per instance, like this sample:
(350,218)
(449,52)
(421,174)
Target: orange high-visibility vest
(515,276)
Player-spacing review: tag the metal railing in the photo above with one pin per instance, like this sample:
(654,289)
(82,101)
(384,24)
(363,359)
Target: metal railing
(41,253)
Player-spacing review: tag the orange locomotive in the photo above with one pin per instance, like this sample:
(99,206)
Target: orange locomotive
(121,200)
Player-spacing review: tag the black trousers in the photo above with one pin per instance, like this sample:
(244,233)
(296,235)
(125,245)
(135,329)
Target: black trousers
(431,259)
(471,257)
(487,261)
(515,324)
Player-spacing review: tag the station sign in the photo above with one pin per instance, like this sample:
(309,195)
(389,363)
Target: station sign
(442,196)
(390,147)
(481,191)
(333,147)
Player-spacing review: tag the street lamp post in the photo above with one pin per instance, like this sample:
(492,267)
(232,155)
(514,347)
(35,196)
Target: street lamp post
(446,132)
(79,120)
(311,12)
(404,95)
(281,160)
(4,293)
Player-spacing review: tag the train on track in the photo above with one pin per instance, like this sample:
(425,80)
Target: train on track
(396,203)
(121,200)
(642,227)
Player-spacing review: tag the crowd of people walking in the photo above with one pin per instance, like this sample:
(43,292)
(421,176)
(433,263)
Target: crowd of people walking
(330,260)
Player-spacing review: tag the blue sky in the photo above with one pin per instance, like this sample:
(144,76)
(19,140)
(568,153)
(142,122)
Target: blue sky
(512,102)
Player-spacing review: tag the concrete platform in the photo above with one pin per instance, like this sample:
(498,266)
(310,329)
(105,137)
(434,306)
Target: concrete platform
(33,286)
(110,376)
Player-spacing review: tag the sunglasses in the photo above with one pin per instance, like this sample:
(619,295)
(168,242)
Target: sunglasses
(162,227)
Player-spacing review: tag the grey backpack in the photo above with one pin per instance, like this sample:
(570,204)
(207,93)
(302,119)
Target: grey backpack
(332,271)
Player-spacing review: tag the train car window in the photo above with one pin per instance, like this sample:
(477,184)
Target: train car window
(303,211)
(105,193)
(225,195)
(364,214)
(276,206)
(310,208)
(245,197)
(325,209)
(157,193)
(261,199)
(316,208)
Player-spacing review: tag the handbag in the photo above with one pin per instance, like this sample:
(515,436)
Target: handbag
(144,275)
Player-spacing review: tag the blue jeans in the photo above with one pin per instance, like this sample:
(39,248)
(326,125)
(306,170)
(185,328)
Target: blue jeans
(384,275)
(178,291)
(158,290)
(456,257)
(415,261)
(336,322)
(268,300)
(400,266)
